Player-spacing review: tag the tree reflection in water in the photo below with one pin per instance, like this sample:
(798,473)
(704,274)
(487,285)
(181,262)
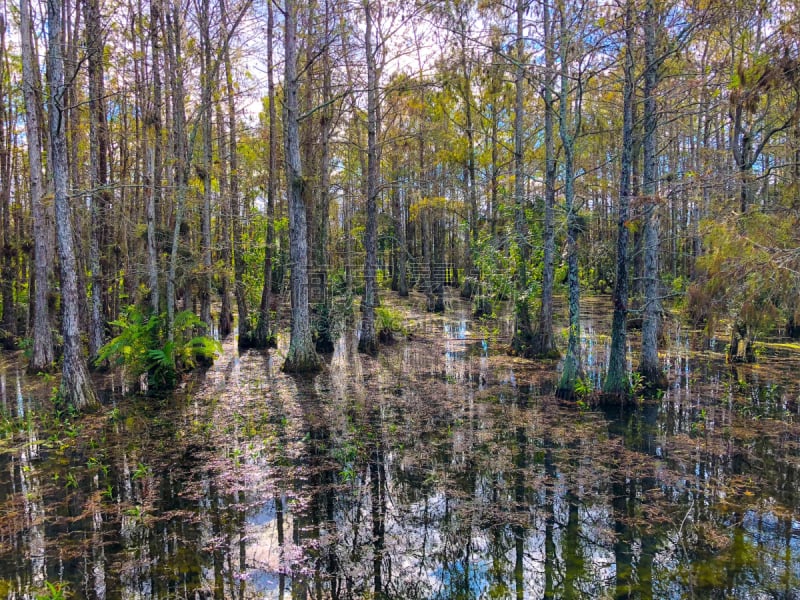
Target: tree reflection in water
(437,470)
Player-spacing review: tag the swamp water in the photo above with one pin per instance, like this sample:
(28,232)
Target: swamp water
(442,469)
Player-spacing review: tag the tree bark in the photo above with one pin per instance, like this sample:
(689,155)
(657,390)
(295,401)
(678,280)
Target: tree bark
(262,336)
(76,387)
(8,249)
(573,364)
(401,250)
(231,175)
(181,159)
(438,265)
(522,341)
(496,83)
(224,220)
(206,81)
(301,356)
(741,348)
(42,355)
(427,257)
(320,215)
(98,157)
(153,160)
(544,341)
(368,342)
(467,289)
(649,365)
(616,381)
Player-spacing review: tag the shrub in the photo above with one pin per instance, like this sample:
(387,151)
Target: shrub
(387,323)
(143,347)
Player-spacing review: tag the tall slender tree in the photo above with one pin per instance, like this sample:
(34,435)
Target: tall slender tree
(42,353)
(98,158)
(230,165)
(649,365)
(321,198)
(153,169)
(616,380)
(207,81)
(262,336)
(398,197)
(368,342)
(181,145)
(569,125)
(544,343)
(76,387)
(225,216)
(522,341)
(8,322)
(301,356)
(245,327)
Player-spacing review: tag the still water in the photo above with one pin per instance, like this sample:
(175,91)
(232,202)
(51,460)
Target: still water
(442,469)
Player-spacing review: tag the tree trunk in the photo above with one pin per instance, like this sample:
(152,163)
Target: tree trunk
(438,266)
(181,159)
(319,220)
(347,211)
(573,365)
(649,365)
(637,281)
(153,167)
(544,341)
(368,342)
(98,153)
(235,203)
(616,381)
(262,336)
(401,251)
(741,348)
(494,179)
(301,356)
(8,249)
(76,387)
(226,216)
(744,154)
(206,81)
(71,22)
(427,257)
(467,289)
(522,341)
(42,355)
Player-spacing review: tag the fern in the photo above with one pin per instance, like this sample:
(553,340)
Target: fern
(143,347)
(55,591)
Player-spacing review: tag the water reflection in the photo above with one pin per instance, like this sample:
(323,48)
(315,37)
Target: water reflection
(441,469)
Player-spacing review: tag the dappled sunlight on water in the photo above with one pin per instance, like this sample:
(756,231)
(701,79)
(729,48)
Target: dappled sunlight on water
(440,469)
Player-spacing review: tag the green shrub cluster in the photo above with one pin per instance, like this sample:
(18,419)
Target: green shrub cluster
(143,346)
